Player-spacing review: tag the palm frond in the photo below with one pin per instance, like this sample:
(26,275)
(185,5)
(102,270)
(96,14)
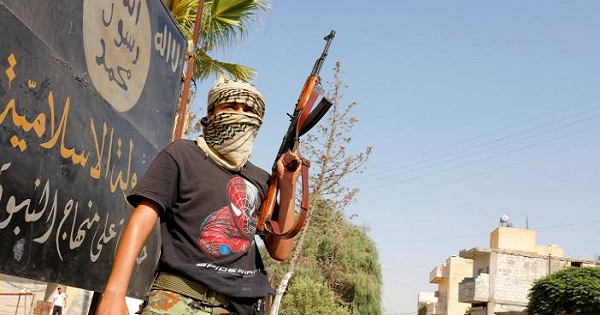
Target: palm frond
(184,12)
(205,67)
(225,22)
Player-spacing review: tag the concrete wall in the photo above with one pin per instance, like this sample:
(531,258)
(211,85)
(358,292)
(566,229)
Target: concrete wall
(514,239)
(514,262)
(447,276)
(515,275)
(14,304)
(475,289)
(78,300)
(481,264)
(552,250)
(460,268)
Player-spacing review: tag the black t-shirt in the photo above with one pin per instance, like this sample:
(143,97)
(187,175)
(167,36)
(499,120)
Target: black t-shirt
(207,219)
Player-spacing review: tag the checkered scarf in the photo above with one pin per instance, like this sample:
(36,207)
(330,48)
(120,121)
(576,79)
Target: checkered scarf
(228,138)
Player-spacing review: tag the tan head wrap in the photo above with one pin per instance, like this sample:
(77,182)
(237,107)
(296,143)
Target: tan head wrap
(231,91)
(228,137)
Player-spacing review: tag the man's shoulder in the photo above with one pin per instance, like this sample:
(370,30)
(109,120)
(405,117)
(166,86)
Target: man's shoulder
(255,168)
(255,171)
(182,147)
(181,144)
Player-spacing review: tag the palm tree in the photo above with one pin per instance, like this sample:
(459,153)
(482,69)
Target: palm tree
(224,23)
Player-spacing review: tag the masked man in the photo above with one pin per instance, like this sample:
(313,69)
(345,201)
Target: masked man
(207,195)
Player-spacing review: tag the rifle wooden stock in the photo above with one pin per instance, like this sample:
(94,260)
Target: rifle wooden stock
(267,209)
(307,91)
(268,205)
(298,123)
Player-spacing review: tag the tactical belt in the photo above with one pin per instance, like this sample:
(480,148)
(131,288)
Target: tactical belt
(192,289)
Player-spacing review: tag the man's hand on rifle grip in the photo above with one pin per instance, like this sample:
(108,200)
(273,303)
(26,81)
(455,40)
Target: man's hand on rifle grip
(289,167)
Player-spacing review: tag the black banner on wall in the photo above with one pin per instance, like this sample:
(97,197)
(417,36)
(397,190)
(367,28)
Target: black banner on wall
(88,92)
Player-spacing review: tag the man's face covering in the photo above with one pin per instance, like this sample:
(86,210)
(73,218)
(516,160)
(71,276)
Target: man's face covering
(228,136)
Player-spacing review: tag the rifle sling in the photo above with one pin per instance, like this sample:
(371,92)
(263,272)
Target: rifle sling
(273,226)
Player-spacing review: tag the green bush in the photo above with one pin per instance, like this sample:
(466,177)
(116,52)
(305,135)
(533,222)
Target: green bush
(571,291)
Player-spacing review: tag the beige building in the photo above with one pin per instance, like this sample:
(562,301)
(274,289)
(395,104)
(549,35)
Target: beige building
(504,273)
(20,296)
(495,280)
(447,276)
(426,299)
(30,297)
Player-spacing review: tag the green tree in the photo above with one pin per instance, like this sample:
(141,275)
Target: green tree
(422,310)
(339,256)
(329,149)
(224,24)
(310,297)
(347,258)
(335,251)
(571,291)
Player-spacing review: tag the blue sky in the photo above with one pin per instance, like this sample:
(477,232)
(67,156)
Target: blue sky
(474,109)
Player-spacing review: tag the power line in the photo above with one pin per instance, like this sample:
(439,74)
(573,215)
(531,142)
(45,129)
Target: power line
(526,122)
(482,235)
(491,170)
(428,240)
(397,170)
(478,160)
(402,284)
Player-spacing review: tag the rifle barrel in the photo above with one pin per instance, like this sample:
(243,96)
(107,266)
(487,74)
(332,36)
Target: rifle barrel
(319,63)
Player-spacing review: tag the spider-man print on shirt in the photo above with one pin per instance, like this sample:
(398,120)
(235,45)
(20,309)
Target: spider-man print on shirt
(231,229)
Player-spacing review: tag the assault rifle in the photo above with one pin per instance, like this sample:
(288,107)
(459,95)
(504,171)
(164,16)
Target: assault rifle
(301,121)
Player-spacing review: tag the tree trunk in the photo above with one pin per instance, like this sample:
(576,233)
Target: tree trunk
(293,260)
(279,292)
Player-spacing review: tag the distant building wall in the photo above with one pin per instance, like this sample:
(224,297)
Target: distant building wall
(514,276)
(447,276)
(460,268)
(504,273)
(481,263)
(14,304)
(513,238)
(474,289)
(78,300)
(551,250)
(426,298)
